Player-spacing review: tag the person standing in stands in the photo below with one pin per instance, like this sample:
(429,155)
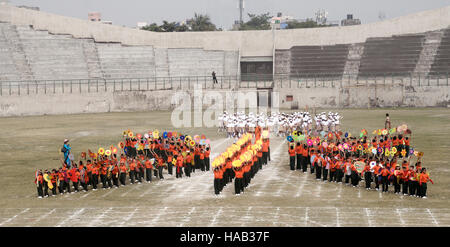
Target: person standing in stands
(214,77)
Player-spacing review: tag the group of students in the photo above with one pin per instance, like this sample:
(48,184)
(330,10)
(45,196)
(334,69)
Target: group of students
(357,162)
(241,161)
(280,124)
(171,154)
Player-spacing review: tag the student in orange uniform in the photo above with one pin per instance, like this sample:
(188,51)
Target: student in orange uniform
(148,170)
(207,160)
(384,173)
(54,179)
(404,180)
(298,151)
(160,167)
(304,157)
(132,168)
(238,183)
(95,173)
(292,154)
(412,180)
(123,173)
(39,181)
(218,177)
(423,179)
(367,176)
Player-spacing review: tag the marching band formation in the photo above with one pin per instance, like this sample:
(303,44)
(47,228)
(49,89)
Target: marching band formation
(241,161)
(281,124)
(384,159)
(142,157)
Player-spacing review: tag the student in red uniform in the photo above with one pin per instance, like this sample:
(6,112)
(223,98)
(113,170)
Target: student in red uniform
(292,154)
(148,170)
(384,173)
(423,179)
(95,173)
(39,181)
(132,168)
(122,173)
(218,177)
(376,174)
(207,160)
(54,179)
(188,163)
(115,175)
(298,151)
(404,180)
(304,157)
(367,176)
(238,183)
(160,167)
(412,181)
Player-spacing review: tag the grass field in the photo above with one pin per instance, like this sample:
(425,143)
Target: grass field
(276,196)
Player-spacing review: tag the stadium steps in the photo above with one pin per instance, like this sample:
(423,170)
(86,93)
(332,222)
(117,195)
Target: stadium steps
(441,64)
(14,62)
(318,59)
(392,55)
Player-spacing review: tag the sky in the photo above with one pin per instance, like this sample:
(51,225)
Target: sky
(223,13)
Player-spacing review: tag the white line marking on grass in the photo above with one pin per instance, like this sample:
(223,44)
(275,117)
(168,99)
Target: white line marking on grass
(400,217)
(43,216)
(187,218)
(158,216)
(132,189)
(213,222)
(83,196)
(270,168)
(432,217)
(338,224)
(368,215)
(306,216)
(100,217)
(70,217)
(10,219)
(125,220)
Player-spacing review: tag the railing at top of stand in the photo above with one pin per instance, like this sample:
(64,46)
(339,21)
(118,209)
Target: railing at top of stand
(316,80)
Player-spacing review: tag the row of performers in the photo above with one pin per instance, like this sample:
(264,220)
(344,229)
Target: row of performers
(335,166)
(112,171)
(241,161)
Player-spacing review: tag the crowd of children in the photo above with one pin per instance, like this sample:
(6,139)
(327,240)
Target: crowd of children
(241,161)
(383,160)
(142,158)
(280,124)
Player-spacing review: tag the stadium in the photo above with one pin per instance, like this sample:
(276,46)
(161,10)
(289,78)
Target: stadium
(62,77)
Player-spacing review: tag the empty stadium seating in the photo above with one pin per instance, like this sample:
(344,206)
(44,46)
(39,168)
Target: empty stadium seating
(318,59)
(29,54)
(393,55)
(441,63)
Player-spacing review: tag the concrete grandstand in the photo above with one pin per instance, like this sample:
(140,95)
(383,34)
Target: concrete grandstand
(351,66)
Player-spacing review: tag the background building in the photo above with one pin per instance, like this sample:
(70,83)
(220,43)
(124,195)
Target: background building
(350,21)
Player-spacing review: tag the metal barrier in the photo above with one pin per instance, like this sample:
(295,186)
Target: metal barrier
(324,80)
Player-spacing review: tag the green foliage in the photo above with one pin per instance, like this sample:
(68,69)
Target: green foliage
(257,22)
(197,23)
(201,23)
(304,24)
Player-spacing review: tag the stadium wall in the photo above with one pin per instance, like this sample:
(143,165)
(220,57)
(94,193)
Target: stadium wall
(128,101)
